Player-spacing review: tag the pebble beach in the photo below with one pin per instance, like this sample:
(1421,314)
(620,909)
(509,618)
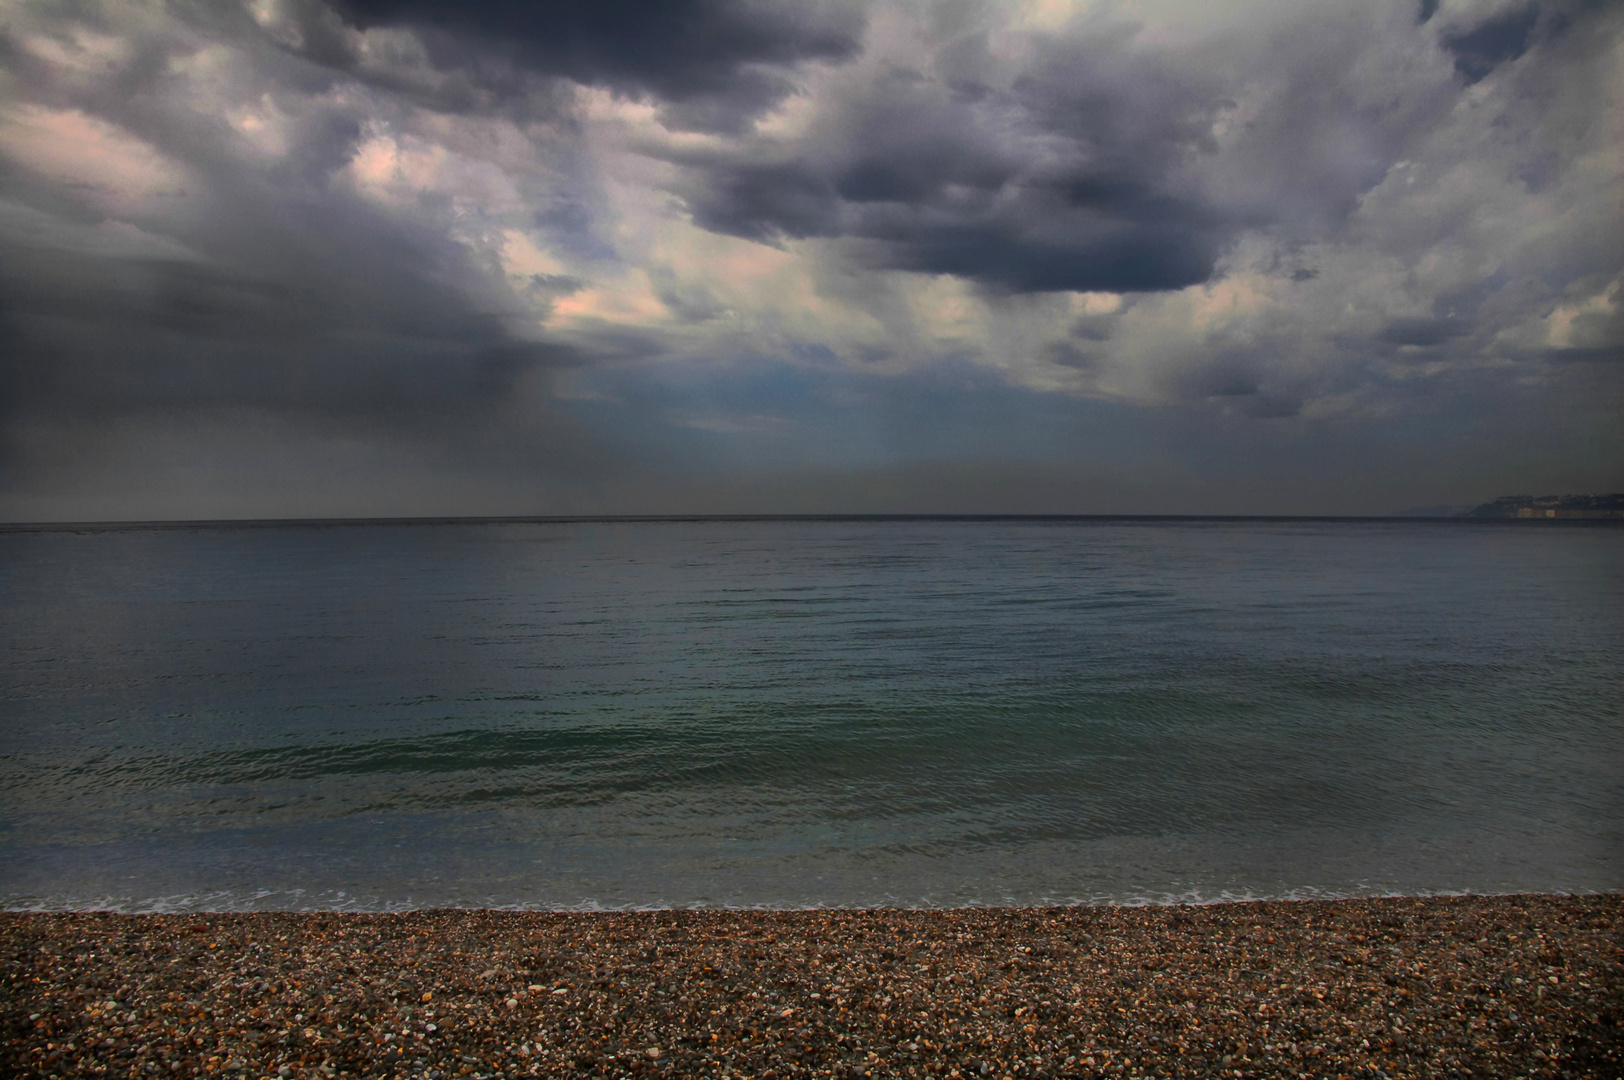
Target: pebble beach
(1459,986)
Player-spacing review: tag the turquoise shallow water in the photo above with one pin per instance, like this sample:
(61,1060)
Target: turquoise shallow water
(798,713)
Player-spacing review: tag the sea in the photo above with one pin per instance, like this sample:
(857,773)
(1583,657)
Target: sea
(794,713)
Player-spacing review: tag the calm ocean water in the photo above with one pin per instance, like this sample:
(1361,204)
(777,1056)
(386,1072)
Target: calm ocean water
(800,713)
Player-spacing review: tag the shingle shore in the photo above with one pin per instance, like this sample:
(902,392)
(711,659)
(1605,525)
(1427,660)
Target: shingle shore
(1486,986)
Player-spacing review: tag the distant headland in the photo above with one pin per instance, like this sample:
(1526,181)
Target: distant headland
(1550,506)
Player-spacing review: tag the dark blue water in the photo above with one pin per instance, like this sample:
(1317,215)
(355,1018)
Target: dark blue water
(797,713)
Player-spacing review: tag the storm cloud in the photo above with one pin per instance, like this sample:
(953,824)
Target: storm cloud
(389,256)
(686,53)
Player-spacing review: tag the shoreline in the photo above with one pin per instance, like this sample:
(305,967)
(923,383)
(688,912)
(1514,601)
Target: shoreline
(1514,985)
(137,909)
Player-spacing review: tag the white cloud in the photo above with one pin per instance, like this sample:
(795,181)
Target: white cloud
(113,167)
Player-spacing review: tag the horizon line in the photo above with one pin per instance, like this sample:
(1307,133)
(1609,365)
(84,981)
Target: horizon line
(584,519)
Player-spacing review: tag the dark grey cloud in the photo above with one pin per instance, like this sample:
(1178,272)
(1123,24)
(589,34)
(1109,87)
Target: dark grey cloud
(1492,42)
(676,49)
(1097,166)
(1422,331)
(713,64)
(978,219)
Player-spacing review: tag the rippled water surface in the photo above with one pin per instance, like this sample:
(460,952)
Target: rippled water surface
(807,712)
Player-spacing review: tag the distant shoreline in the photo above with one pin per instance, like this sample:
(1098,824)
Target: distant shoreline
(1498,985)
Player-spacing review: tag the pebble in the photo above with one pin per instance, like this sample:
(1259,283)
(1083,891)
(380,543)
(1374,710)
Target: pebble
(1493,986)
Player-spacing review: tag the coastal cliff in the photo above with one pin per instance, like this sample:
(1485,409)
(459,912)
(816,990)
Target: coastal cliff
(1551,506)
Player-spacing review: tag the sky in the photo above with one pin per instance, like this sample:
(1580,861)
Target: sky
(295,258)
